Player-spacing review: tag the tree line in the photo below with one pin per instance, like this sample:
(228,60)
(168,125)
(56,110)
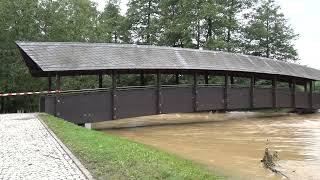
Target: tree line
(255,27)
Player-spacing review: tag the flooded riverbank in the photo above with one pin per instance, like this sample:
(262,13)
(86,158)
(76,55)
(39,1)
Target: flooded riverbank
(233,143)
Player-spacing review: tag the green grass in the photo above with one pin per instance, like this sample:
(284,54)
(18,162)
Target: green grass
(112,157)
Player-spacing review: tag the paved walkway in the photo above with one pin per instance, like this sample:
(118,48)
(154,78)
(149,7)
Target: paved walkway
(28,151)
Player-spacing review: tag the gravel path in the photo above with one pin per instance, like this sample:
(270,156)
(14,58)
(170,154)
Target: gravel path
(28,151)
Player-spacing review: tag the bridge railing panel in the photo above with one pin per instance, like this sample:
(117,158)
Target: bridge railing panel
(302,100)
(262,98)
(316,100)
(283,98)
(176,99)
(238,98)
(210,98)
(49,104)
(135,102)
(82,108)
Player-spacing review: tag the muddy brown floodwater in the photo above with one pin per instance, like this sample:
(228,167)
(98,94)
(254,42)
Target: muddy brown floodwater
(233,143)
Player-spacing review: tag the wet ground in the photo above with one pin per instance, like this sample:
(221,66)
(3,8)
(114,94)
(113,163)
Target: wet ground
(233,143)
(29,151)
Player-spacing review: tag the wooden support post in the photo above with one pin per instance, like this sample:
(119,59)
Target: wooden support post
(311,94)
(142,81)
(49,83)
(41,102)
(305,87)
(58,82)
(57,98)
(252,84)
(293,93)
(114,95)
(206,78)
(231,80)
(226,87)
(159,94)
(2,104)
(177,79)
(195,92)
(274,92)
(100,80)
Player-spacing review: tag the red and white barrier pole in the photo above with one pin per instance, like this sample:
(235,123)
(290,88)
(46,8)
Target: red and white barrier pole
(29,93)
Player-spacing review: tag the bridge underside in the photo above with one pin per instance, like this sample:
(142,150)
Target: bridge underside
(126,102)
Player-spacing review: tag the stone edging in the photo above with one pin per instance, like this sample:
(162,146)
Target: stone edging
(85,172)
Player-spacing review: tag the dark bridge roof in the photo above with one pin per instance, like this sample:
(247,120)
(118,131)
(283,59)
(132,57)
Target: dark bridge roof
(43,57)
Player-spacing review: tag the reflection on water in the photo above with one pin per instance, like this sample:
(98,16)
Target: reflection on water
(234,143)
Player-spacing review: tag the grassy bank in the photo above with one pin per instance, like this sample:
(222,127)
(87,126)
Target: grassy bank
(112,157)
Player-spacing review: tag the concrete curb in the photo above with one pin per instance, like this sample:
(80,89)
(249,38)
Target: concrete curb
(68,152)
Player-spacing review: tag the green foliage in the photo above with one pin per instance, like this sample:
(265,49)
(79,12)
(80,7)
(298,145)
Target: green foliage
(175,27)
(111,157)
(268,33)
(67,20)
(113,27)
(317,86)
(210,24)
(143,16)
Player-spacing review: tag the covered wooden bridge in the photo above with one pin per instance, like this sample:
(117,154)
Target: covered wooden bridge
(265,83)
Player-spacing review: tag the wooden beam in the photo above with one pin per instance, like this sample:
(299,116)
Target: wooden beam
(252,84)
(58,82)
(305,87)
(274,92)
(57,97)
(206,78)
(49,83)
(142,79)
(226,87)
(195,92)
(114,95)
(293,93)
(177,79)
(231,80)
(100,80)
(311,94)
(159,94)
(2,105)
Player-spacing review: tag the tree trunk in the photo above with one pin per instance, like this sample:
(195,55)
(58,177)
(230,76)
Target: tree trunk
(209,35)
(229,26)
(115,37)
(268,33)
(198,34)
(229,39)
(148,22)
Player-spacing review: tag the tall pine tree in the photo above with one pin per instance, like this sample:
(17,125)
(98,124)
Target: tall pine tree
(222,23)
(68,20)
(268,33)
(175,24)
(214,25)
(143,16)
(113,27)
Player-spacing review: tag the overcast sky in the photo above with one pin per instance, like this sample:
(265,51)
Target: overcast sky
(303,15)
